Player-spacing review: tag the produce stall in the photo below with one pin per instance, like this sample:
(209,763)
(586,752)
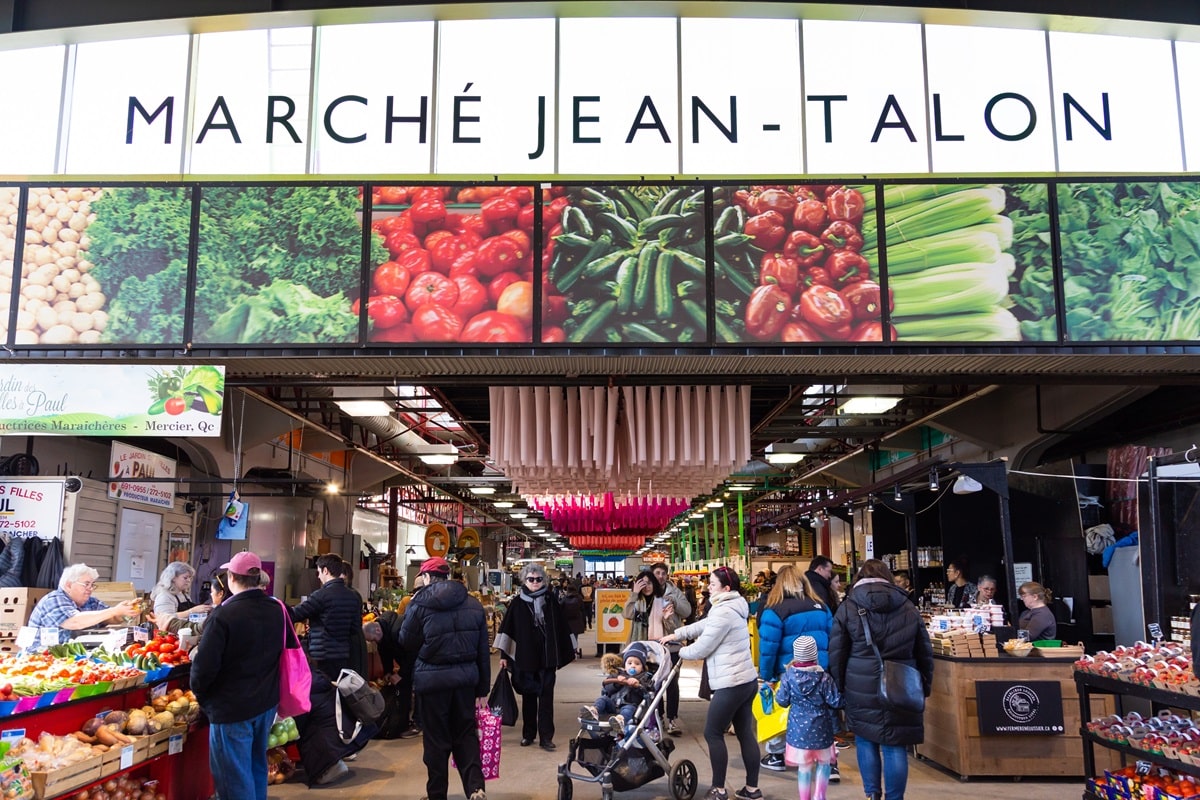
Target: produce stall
(961,706)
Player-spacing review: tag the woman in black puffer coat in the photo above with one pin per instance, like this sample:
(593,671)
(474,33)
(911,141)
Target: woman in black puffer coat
(882,736)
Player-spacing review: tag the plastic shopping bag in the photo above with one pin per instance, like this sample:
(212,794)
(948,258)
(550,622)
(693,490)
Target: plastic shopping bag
(771,717)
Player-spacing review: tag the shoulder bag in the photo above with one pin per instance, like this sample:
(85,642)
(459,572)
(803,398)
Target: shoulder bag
(295,676)
(900,687)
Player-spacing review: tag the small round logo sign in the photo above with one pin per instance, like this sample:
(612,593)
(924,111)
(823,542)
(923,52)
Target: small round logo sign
(437,540)
(1021,703)
(468,539)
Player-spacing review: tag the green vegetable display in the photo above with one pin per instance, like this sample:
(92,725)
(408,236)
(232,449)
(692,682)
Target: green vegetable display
(277,264)
(625,258)
(966,262)
(1131,260)
(139,245)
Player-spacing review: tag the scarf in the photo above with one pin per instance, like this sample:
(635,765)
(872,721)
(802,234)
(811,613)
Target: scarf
(654,617)
(538,599)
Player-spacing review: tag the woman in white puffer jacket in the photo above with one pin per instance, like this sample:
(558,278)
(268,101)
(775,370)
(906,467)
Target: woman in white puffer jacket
(722,639)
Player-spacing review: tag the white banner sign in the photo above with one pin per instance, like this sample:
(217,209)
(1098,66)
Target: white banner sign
(130,467)
(32,507)
(609,96)
(118,400)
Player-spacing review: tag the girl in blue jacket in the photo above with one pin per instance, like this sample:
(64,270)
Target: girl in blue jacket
(812,699)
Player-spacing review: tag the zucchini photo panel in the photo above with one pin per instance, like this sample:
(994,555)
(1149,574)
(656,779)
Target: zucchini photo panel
(624,265)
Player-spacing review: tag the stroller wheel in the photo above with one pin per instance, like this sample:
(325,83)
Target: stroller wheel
(684,780)
(565,789)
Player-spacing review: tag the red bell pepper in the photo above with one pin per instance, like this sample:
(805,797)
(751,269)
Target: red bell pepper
(767,312)
(810,215)
(865,300)
(781,270)
(846,204)
(870,332)
(847,267)
(842,235)
(824,309)
(816,276)
(794,331)
(767,229)
(777,200)
(501,208)
(805,247)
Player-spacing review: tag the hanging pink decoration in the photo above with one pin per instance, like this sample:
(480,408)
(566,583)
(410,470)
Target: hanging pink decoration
(606,513)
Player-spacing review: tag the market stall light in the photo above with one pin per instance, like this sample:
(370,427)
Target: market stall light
(696,515)
(785,453)
(364,408)
(518,514)
(331,488)
(529,523)
(740,487)
(933,480)
(896,493)
(438,454)
(859,406)
(965,484)
(714,504)
(481,490)
(503,504)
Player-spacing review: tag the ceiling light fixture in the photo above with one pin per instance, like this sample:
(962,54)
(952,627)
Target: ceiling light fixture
(785,453)
(933,480)
(714,504)
(868,405)
(503,504)
(896,493)
(965,484)
(331,488)
(518,514)
(438,454)
(696,515)
(529,523)
(483,490)
(364,408)
(740,487)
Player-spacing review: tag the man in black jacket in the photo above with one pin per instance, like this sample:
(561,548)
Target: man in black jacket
(334,613)
(235,675)
(820,573)
(447,630)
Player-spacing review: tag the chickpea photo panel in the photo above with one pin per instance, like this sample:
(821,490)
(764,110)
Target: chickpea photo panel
(796,263)
(104,265)
(279,265)
(625,265)
(452,264)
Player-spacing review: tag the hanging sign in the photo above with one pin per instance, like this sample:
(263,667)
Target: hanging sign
(34,507)
(1019,707)
(131,465)
(437,540)
(611,625)
(119,400)
(468,540)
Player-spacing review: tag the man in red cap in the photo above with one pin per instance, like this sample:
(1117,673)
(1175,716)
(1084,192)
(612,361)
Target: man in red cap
(235,675)
(447,630)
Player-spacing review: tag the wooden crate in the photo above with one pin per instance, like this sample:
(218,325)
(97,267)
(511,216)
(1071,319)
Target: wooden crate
(52,784)
(160,742)
(111,761)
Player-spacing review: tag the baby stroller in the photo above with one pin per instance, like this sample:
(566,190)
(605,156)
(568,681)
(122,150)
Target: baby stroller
(621,760)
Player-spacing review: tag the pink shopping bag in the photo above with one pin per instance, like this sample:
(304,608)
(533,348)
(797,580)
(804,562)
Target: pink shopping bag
(489,743)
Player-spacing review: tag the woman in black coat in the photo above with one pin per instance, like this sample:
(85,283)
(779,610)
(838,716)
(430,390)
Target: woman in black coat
(534,643)
(882,736)
(572,608)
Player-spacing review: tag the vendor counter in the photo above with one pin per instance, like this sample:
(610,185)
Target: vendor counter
(1028,706)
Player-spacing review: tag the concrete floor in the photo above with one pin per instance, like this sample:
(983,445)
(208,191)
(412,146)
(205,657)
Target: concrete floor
(393,769)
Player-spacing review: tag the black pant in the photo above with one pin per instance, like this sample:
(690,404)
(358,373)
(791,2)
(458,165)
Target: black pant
(589,613)
(451,730)
(537,710)
(672,696)
(404,698)
(332,667)
(732,704)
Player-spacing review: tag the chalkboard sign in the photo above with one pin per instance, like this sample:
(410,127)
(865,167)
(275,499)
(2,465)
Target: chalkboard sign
(1019,707)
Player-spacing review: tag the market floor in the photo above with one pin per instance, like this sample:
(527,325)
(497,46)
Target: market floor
(393,769)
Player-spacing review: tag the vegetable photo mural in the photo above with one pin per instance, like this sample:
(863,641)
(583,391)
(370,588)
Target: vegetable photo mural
(278,265)
(1131,260)
(967,263)
(790,265)
(457,264)
(624,264)
(104,265)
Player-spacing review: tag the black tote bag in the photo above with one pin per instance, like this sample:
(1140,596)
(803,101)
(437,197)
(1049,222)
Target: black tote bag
(503,699)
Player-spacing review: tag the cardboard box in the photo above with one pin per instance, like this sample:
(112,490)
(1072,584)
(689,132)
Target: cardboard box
(52,784)
(113,592)
(1102,619)
(1098,588)
(16,605)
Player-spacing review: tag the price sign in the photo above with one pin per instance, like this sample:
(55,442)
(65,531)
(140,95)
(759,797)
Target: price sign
(1155,631)
(175,744)
(1143,767)
(159,690)
(26,637)
(127,756)
(11,734)
(1022,636)
(47,637)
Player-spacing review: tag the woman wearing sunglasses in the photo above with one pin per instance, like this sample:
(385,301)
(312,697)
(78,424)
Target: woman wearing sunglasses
(534,643)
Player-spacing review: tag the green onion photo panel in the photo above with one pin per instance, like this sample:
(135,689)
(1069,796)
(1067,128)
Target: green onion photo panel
(278,265)
(1131,260)
(969,262)
(625,265)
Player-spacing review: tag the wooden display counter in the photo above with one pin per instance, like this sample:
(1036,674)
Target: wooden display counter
(952,726)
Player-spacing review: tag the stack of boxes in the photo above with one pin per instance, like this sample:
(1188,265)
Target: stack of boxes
(963,643)
(16,605)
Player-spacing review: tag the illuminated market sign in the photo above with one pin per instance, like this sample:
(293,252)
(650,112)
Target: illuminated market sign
(551,97)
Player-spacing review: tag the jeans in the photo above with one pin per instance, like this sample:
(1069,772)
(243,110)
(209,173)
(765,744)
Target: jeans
(452,730)
(605,705)
(237,756)
(891,759)
(732,704)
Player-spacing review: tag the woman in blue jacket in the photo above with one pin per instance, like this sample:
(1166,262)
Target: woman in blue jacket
(791,609)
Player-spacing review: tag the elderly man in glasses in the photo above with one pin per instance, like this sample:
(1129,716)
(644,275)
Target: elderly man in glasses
(534,643)
(71,606)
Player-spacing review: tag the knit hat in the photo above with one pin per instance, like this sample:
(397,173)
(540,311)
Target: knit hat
(804,649)
(638,651)
(435,565)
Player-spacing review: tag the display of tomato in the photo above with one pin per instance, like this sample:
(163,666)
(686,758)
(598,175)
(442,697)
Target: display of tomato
(494,326)
(384,310)
(434,323)
(497,254)
(431,288)
(390,278)
(472,297)
(517,301)
(499,283)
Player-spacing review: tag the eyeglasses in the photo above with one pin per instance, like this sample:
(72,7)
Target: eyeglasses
(86,584)
(534,579)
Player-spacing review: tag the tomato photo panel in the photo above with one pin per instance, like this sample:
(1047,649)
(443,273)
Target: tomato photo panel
(796,263)
(624,265)
(456,264)
(278,264)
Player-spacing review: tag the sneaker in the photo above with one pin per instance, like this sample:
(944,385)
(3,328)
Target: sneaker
(745,794)
(410,733)
(834,775)
(716,794)
(773,761)
(588,712)
(617,724)
(351,757)
(338,771)
(673,727)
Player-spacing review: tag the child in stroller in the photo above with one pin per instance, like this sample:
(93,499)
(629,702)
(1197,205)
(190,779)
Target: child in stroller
(623,691)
